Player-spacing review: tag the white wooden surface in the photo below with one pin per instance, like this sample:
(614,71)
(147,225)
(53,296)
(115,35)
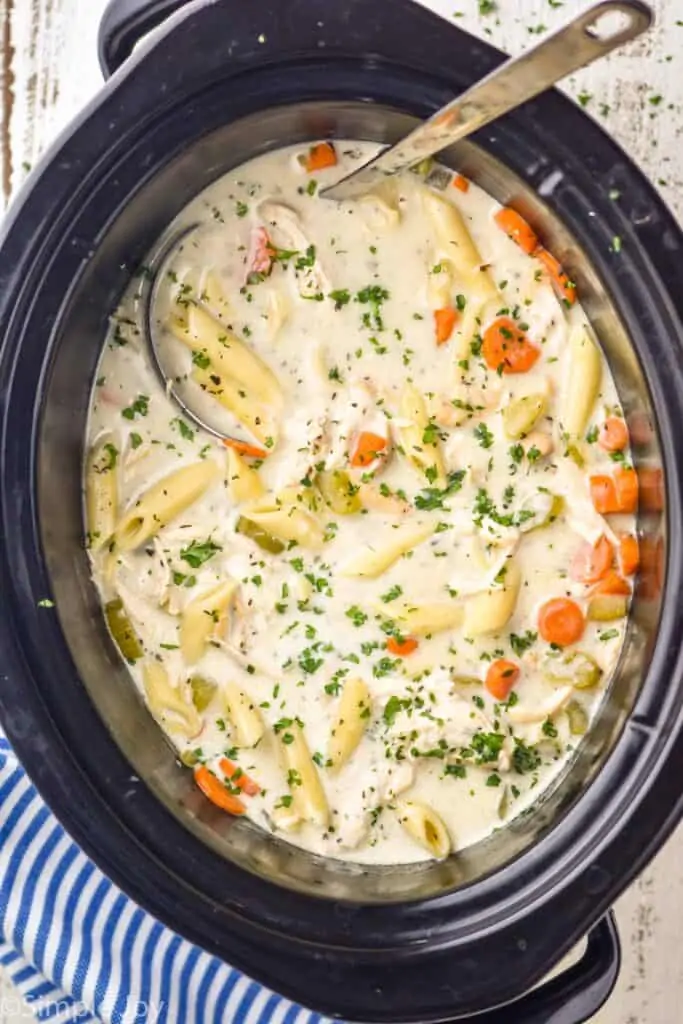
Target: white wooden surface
(48,70)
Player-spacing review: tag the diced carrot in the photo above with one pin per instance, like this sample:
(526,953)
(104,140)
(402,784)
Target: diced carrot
(651,486)
(320,156)
(626,485)
(461,183)
(613,435)
(561,281)
(592,561)
(367,448)
(501,677)
(242,448)
(238,777)
(444,321)
(506,348)
(612,583)
(516,228)
(603,494)
(561,621)
(402,646)
(629,554)
(215,791)
(261,255)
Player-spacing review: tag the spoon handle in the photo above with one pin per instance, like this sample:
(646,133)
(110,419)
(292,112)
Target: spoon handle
(592,34)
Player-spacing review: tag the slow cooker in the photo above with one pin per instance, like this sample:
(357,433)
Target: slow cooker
(218,82)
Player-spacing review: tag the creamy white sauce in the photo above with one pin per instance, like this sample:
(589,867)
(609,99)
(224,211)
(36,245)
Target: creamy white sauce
(297,628)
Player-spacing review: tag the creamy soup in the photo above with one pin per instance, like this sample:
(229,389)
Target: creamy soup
(379,621)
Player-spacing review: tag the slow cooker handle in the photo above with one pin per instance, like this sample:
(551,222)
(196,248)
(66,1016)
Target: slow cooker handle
(574,996)
(124,23)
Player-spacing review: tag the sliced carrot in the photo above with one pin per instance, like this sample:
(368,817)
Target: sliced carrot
(261,255)
(626,486)
(501,677)
(215,791)
(242,448)
(561,621)
(402,646)
(367,448)
(612,583)
(462,184)
(613,435)
(320,156)
(238,777)
(603,494)
(592,561)
(651,486)
(506,348)
(516,228)
(444,321)
(559,278)
(629,554)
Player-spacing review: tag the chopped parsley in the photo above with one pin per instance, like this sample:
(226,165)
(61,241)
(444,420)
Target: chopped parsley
(433,497)
(185,432)
(393,706)
(138,407)
(483,435)
(341,297)
(373,296)
(357,615)
(525,758)
(198,552)
(487,746)
(522,642)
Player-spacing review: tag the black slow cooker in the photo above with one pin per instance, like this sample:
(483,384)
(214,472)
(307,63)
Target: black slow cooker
(221,81)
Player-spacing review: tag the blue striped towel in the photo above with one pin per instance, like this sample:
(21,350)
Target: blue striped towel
(78,950)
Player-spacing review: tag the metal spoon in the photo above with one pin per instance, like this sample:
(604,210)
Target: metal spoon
(578,44)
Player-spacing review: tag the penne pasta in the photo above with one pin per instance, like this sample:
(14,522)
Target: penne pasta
(353,716)
(287,521)
(101,491)
(419,440)
(440,282)
(427,619)
(203,618)
(426,827)
(308,795)
(230,358)
(244,482)
(244,715)
(159,506)
(169,705)
(490,610)
(458,245)
(254,416)
(277,312)
(371,562)
(285,819)
(583,383)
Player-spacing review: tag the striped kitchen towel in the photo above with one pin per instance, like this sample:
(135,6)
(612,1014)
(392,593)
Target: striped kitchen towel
(79,950)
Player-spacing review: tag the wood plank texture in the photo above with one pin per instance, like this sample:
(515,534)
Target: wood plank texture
(48,71)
